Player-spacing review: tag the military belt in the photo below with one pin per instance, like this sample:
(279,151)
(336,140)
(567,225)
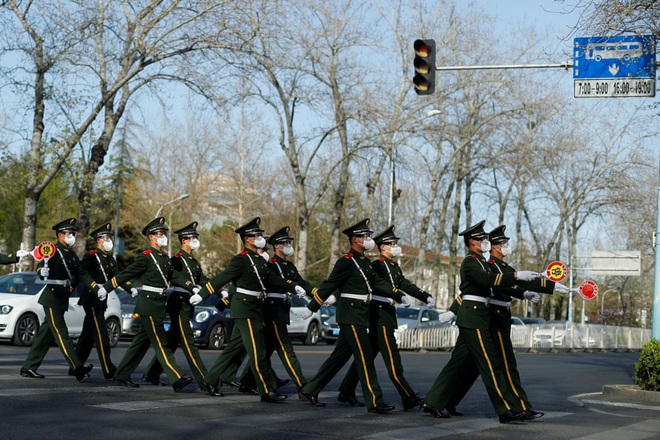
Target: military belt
(161,290)
(379,298)
(58,282)
(257,293)
(276,295)
(476,298)
(496,302)
(362,297)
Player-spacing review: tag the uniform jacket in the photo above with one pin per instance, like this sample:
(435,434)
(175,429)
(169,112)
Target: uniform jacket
(347,278)
(275,309)
(57,296)
(145,269)
(8,259)
(101,266)
(189,267)
(249,271)
(389,270)
(477,279)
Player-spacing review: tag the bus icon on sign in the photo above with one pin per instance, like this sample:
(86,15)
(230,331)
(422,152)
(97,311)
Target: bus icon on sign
(619,51)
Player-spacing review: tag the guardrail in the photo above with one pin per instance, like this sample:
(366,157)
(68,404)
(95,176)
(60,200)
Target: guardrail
(540,337)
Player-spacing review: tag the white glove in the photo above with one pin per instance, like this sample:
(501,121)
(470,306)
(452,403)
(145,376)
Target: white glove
(196,299)
(447,316)
(560,288)
(22,253)
(44,272)
(306,313)
(532,296)
(406,301)
(430,301)
(330,301)
(300,291)
(224,294)
(134,292)
(527,275)
(196,290)
(102,293)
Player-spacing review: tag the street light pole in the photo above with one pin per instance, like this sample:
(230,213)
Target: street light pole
(181,197)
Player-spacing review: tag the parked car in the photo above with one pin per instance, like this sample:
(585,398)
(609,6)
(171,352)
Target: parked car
(517,321)
(329,326)
(21,315)
(130,321)
(307,330)
(416,317)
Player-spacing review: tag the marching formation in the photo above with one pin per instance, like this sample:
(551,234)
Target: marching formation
(258,290)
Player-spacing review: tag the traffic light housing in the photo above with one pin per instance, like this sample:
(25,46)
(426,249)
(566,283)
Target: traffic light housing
(424,79)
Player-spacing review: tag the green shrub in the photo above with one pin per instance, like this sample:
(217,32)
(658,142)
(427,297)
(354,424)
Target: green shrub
(647,370)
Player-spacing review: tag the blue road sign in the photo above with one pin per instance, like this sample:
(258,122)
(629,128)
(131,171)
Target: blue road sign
(629,56)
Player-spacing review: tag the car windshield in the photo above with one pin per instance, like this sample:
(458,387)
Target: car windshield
(407,313)
(25,283)
(126,297)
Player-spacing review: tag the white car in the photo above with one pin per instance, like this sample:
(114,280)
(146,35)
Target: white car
(21,315)
(307,330)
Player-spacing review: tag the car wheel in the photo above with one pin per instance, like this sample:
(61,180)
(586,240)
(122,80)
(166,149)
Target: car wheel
(217,337)
(114,331)
(26,329)
(313,333)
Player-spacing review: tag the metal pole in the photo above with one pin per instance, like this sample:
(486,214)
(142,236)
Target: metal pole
(565,65)
(569,315)
(391,204)
(655,323)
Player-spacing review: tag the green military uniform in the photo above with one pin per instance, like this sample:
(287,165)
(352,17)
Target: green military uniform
(474,343)
(276,308)
(356,281)
(181,312)
(383,322)
(65,272)
(155,271)
(10,258)
(252,278)
(500,327)
(101,266)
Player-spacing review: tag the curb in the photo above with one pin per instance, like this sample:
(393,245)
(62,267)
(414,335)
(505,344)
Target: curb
(631,392)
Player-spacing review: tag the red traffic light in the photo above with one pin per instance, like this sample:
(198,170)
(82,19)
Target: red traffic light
(424,63)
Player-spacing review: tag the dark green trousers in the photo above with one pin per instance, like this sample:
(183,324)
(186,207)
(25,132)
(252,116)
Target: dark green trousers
(52,330)
(180,333)
(151,334)
(247,339)
(95,333)
(383,342)
(353,341)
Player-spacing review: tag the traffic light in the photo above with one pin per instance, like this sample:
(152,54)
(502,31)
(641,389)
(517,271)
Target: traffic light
(424,79)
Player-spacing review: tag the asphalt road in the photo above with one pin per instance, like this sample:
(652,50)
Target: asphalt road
(567,386)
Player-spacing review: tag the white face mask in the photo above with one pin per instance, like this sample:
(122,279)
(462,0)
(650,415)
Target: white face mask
(265,255)
(108,245)
(506,249)
(162,241)
(368,243)
(287,250)
(194,244)
(260,242)
(395,251)
(485,246)
(70,240)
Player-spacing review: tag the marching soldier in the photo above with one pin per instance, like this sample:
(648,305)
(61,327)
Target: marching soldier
(500,321)
(382,323)
(101,266)
(180,309)
(474,345)
(154,269)
(357,282)
(62,274)
(277,306)
(252,278)
(12,258)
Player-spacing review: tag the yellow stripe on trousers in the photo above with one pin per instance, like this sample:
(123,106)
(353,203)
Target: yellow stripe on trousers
(254,354)
(99,338)
(186,347)
(390,358)
(364,366)
(286,356)
(506,368)
(59,338)
(492,372)
(160,346)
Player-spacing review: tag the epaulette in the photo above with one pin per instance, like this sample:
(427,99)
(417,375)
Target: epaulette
(381,259)
(492,261)
(178,255)
(147,252)
(93,252)
(474,256)
(348,256)
(272,260)
(244,253)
